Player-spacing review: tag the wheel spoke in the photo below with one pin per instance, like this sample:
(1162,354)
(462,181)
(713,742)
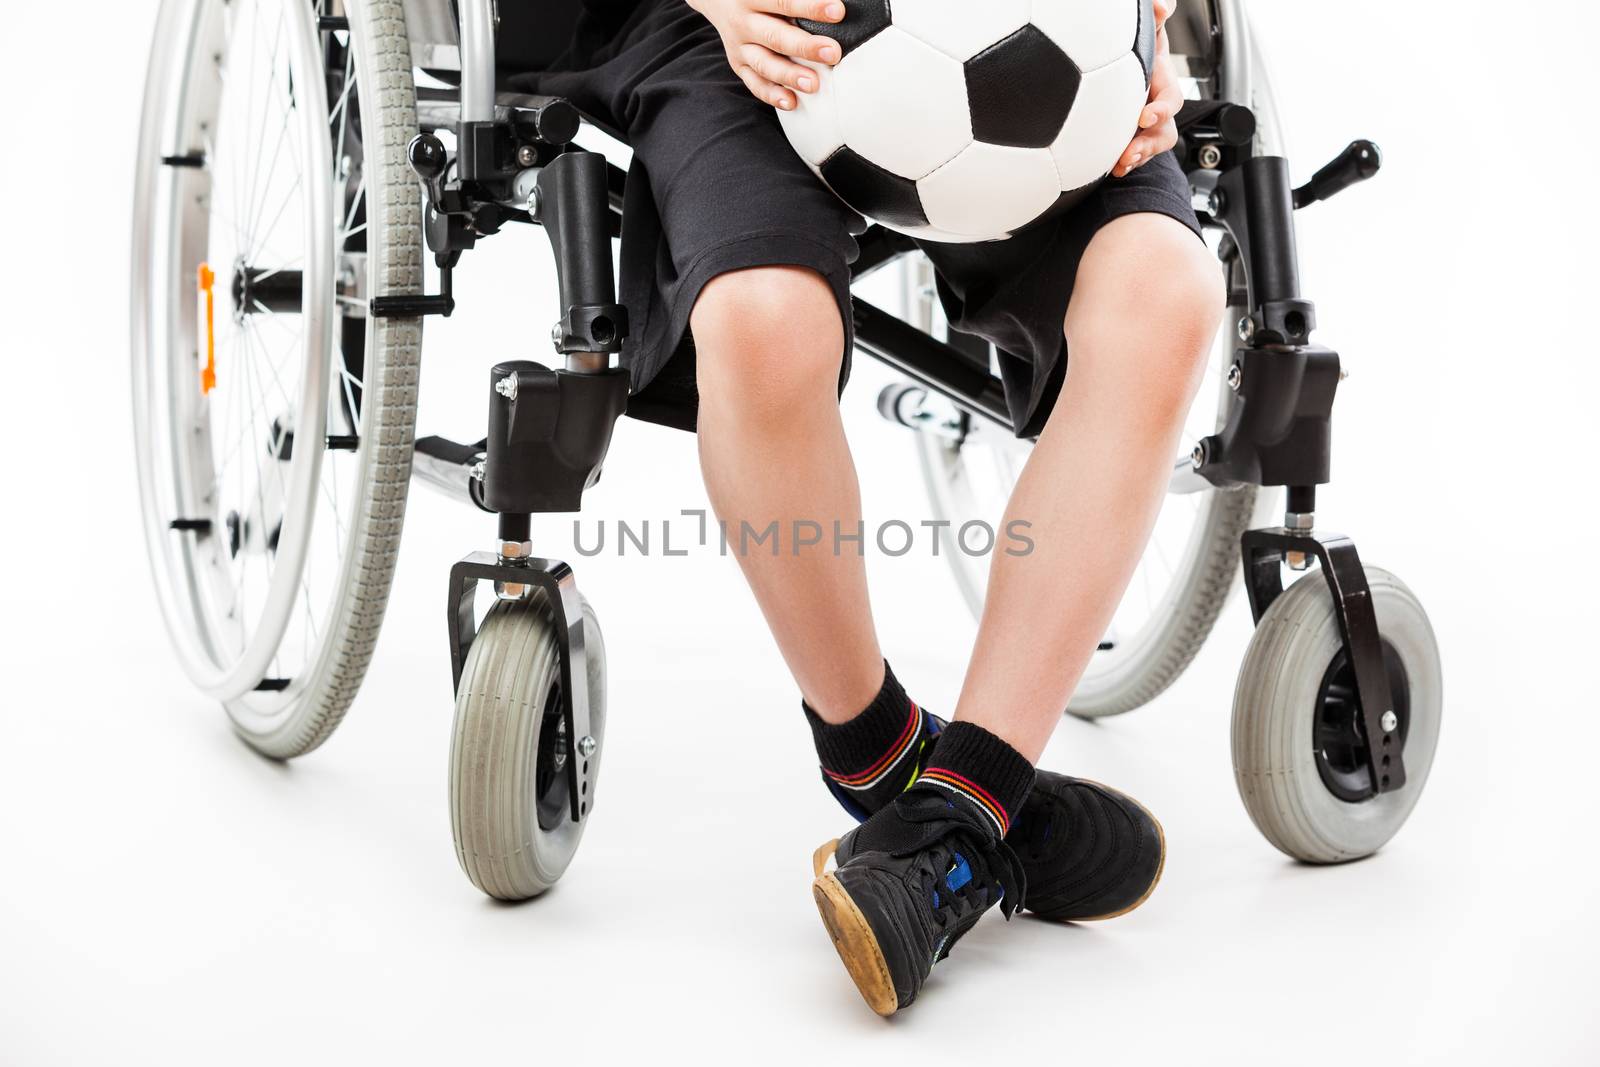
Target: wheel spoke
(259,245)
(346,381)
(272,169)
(355,204)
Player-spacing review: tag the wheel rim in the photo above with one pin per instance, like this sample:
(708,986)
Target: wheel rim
(259,101)
(1339,738)
(552,790)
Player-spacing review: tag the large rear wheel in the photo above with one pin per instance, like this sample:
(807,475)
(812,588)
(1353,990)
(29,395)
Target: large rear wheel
(273,417)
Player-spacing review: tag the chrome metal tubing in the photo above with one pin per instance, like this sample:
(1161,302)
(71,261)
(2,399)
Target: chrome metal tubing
(477,60)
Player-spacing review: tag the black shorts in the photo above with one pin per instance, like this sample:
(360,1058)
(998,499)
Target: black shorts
(715,187)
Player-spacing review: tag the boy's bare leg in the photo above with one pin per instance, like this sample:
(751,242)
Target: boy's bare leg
(769,343)
(1144,311)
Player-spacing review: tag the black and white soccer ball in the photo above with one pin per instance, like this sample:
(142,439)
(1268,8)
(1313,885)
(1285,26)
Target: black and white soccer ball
(965,120)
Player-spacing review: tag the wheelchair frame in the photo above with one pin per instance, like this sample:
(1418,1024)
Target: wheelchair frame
(549,430)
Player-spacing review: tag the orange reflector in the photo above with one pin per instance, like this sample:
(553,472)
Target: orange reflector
(208,373)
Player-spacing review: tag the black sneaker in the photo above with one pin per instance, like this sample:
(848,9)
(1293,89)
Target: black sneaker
(1089,852)
(911,881)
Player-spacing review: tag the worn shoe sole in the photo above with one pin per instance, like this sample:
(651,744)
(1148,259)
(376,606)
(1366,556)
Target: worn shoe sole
(853,938)
(1161,839)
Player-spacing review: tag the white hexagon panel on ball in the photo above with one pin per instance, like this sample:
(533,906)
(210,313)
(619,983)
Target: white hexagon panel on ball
(1093,32)
(1021,184)
(1102,123)
(961,28)
(813,126)
(902,104)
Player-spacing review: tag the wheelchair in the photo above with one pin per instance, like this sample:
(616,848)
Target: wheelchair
(298,163)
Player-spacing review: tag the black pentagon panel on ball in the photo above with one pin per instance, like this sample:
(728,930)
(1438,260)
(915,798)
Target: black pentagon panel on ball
(1020,90)
(873,191)
(863,20)
(1144,45)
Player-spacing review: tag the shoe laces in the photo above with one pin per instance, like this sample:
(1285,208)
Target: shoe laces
(964,868)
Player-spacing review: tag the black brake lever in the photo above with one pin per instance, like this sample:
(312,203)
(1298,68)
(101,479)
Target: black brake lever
(1355,164)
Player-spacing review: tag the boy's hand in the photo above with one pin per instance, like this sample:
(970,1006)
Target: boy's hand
(759,40)
(1158,130)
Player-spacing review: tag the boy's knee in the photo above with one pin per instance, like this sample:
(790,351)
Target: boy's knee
(766,336)
(1147,305)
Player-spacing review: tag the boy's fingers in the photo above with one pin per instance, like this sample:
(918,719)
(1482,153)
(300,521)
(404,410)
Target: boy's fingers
(765,91)
(1136,153)
(778,70)
(1146,147)
(1166,96)
(1162,108)
(815,10)
(787,39)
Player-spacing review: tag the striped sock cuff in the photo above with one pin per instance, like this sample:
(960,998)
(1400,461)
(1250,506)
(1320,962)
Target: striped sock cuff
(859,754)
(972,763)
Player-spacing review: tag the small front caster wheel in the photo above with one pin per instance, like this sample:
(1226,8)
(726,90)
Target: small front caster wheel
(1304,779)
(510,808)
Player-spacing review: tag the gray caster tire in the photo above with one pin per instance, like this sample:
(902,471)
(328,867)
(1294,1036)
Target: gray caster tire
(509,805)
(1294,710)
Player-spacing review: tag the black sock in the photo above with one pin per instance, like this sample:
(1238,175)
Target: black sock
(871,759)
(977,767)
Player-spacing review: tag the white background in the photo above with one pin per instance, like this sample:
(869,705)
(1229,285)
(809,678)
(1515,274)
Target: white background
(169,897)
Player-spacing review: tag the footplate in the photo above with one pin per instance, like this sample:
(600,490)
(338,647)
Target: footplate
(559,585)
(1264,552)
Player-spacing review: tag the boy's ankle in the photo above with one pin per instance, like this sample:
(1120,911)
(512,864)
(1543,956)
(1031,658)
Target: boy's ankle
(978,768)
(870,759)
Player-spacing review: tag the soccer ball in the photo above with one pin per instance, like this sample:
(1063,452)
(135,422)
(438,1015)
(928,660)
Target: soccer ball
(965,120)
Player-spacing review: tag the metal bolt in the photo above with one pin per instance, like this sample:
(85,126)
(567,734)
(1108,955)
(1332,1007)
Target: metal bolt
(1389,722)
(1343,374)
(1247,329)
(1235,377)
(1210,156)
(525,190)
(478,470)
(1198,456)
(1206,202)
(527,155)
(507,387)
(555,336)
(512,591)
(586,746)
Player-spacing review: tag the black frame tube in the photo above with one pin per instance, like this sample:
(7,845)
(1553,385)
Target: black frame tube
(1269,211)
(930,363)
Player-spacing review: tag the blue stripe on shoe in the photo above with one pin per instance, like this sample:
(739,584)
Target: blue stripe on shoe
(959,875)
